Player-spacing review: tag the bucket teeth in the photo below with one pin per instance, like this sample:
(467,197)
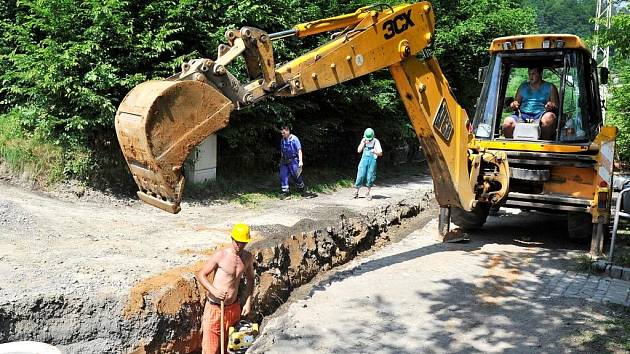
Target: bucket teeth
(158,124)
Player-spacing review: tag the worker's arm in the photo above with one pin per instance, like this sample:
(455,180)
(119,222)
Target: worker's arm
(202,276)
(361,146)
(553,99)
(249,275)
(301,163)
(378,150)
(516,104)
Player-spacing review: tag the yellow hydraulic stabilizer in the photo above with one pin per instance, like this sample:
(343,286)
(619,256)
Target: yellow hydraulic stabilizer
(158,124)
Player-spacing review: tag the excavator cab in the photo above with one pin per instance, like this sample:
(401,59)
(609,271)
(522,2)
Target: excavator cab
(570,71)
(569,171)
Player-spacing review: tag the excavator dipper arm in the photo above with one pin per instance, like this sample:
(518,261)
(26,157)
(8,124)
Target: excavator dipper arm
(160,122)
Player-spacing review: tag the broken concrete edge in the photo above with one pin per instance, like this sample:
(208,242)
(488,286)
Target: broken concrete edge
(613,271)
(163,313)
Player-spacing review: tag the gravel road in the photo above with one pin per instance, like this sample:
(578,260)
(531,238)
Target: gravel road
(495,294)
(68,246)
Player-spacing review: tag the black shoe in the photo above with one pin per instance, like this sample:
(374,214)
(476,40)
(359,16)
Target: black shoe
(284,195)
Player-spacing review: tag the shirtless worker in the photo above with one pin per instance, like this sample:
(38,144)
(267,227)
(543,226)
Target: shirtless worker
(228,265)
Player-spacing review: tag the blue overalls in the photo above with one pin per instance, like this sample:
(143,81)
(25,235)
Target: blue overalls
(289,163)
(367,167)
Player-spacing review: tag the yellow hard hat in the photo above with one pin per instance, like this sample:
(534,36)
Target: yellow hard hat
(240,233)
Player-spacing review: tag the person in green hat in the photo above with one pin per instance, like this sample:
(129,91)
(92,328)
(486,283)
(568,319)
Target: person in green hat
(370,148)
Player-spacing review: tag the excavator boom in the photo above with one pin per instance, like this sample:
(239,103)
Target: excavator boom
(160,122)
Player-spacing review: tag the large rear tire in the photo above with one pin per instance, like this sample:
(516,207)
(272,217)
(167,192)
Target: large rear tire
(579,225)
(470,220)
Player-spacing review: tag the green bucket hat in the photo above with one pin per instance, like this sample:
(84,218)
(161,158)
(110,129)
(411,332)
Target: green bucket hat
(369,133)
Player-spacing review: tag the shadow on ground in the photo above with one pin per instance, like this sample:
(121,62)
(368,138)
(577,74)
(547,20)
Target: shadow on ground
(503,309)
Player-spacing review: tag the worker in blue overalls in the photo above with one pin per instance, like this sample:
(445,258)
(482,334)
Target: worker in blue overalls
(290,161)
(370,149)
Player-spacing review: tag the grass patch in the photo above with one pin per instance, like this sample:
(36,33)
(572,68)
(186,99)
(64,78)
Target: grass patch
(253,189)
(584,263)
(328,180)
(253,199)
(29,155)
(35,156)
(611,335)
(622,244)
(327,187)
(619,329)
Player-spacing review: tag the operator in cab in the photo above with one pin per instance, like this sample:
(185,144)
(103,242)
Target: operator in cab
(536,102)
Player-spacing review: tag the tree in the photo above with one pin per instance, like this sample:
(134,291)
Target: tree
(67,64)
(619,100)
(564,16)
(464,31)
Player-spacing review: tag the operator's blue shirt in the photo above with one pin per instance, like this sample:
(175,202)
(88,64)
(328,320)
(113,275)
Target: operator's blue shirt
(289,147)
(533,101)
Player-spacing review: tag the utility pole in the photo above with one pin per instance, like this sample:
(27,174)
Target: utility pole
(602,54)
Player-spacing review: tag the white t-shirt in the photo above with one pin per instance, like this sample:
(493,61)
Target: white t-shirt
(376,145)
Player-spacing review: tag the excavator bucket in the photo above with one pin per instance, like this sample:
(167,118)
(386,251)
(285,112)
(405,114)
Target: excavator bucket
(158,124)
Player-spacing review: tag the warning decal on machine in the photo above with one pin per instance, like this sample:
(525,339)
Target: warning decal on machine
(443,123)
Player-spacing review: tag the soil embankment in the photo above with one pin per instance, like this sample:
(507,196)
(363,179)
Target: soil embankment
(117,276)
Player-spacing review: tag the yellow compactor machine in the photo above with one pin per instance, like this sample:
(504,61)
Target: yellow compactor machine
(474,167)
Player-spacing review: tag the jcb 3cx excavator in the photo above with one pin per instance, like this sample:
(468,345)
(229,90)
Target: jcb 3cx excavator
(474,167)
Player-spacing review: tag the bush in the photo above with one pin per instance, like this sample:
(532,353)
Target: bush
(465,29)
(28,154)
(619,99)
(67,64)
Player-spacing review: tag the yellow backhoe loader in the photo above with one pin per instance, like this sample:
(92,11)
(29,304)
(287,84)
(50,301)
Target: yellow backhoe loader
(474,167)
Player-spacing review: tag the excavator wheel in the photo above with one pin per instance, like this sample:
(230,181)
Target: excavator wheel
(470,220)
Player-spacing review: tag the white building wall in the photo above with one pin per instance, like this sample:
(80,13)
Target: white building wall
(201,165)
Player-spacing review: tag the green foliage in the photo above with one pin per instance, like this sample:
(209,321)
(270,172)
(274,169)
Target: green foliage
(619,100)
(564,16)
(618,103)
(618,37)
(75,59)
(67,64)
(464,31)
(28,154)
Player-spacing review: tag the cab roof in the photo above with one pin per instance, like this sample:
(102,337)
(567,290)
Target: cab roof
(537,42)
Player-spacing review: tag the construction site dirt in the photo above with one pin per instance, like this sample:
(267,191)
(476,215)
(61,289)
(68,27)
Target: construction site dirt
(92,273)
(333,274)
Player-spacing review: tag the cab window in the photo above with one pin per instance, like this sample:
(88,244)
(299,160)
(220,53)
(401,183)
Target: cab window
(566,70)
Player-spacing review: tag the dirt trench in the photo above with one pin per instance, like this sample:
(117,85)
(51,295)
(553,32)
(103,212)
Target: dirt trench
(163,312)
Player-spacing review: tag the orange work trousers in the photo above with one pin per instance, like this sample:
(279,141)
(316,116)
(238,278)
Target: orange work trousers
(211,326)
